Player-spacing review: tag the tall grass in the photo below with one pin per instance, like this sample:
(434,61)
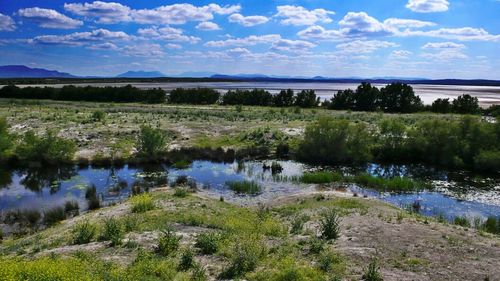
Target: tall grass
(142,203)
(245,187)
(321,177)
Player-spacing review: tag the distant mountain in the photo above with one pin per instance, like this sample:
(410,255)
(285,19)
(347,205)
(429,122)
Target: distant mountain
(22,71)
(196,74)
(141,74)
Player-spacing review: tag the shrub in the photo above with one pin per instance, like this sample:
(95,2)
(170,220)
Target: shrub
(316,245)
(491,225)
(298,223)
(488,160)
(5,139)
(152,141)
(372,272)
(47,148)
(194,96)
(142,203)
(198,273)
(98,115)
(187,260)
(181,192)
(208,242)
(83,233)
(330,261)
(112,231)
(72,208)
(244,258)
(92,199)
(244,187)
(54,215)
(168,243)
(330,224)
(321,177)
(30,218)
(461,221)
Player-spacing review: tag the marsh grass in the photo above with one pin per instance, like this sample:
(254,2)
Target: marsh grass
(112,231)
(83,233)
(168,242)
(54,215)
(245,187)
(208,242)
(330,224)
(372,272)
(321,177)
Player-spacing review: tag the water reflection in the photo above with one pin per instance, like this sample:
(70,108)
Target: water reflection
(42,187)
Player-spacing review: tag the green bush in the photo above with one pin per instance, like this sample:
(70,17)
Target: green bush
(6,141)
(54,215)
(47,148)
(244,258)
(98,116)
(187,260)
(142,203)
(488,160)
(330,261)
(198,273)
(244,187)
(208,242)
(181,192)
(372,272)
(152,142)
(462,221)
(112,231)
(298,223)
(92,199)
(168,243)
(330,224)
(83,233)
(321,177)
(72,208)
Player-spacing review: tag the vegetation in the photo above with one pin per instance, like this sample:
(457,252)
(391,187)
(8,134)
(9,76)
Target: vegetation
(194,96)
(47,148)
(168,243)
(54,215)
(372,272)
(88,93)
(208,242)
(142,203)
(112,231)
(83,233)
(244,187)
(5,139)
(330,224)
(321,177)
(152,141)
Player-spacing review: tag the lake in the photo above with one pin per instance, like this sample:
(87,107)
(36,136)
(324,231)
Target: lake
(40,188)
(487,95)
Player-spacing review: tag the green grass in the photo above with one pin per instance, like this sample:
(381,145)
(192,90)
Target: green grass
(321,177)
(245,187)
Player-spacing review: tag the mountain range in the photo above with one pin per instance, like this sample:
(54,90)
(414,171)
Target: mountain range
(21,71)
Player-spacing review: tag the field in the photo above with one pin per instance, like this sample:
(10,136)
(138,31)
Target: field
(207,239)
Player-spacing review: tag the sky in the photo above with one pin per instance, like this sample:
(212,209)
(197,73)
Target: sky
(330,38)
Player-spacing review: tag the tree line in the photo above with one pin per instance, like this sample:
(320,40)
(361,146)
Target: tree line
(393,98)
(89,93)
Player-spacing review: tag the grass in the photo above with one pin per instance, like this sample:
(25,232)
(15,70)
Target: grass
(208,242)
(244,187)
(112,231)
(54,215)
(83,233)
(330,224)
(321,177)
(142,203)
(168,243)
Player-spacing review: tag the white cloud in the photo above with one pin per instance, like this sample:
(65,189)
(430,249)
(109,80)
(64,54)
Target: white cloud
(208,25)
(103,46)
(81,38)
(428,6)
(361,24)
(396,24)
(238,51)
(445,55)
(364,47)
(173,46)
(292,45)
(104,12)
(48,18)
(6,23)
(167,34)
(320,33)
(297,15)
(400,54)
(443,45)
(248,20)
(247,41)
(144,50)
(111,12)
(462,34)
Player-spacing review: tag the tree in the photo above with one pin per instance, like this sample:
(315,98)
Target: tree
(306,98)
(284,98)
(398,97)
(152,141)
(466,104)
(441,106)
(48,148)
(343,100)
(366,98)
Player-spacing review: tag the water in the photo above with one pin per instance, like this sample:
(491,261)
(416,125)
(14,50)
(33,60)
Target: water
(456,194)
(487,95)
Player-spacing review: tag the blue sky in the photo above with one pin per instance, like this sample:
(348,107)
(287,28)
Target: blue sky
(356,38)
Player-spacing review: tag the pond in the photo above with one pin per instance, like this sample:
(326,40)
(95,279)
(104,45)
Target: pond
(40,188)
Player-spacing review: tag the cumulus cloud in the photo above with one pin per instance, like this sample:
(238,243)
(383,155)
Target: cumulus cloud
(246,41)
(48,18)
(320,33)
(111,12)
(400,54)
(292,45)
(362,24)
(6,23)
(103,46)
(364,47)
(104,12)
(81,38)
(143,50)
(167,34)
(173,46)
(428,6)
(248,20)
(208,25)
(445,55)
(462,34)
(297,15)
(443,45)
